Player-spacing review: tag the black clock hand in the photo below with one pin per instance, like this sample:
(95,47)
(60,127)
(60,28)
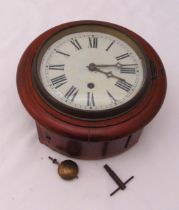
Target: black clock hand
(92,67)
(117,65)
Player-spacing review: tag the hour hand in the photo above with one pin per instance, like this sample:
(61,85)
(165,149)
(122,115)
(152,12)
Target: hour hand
(93,67)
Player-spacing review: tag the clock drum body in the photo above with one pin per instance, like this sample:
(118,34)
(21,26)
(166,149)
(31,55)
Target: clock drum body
(103,125)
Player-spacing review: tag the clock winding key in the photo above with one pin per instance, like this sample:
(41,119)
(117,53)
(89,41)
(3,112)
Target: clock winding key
(119,182)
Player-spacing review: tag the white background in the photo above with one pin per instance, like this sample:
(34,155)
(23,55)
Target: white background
(28,180)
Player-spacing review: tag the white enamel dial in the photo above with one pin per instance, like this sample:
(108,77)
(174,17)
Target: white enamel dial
(91,71)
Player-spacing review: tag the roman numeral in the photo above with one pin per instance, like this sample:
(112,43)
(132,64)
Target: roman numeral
(71,93)
(90,99)
(62,53)
(59,81)
(76,44)
(110,45)
(111,97)
(93,42)
(57,67)
(123,85)
(122,56)
(127,70)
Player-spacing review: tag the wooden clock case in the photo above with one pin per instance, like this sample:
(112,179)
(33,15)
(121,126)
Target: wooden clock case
(83,138)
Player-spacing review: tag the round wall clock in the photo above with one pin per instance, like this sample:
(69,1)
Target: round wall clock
(91,87)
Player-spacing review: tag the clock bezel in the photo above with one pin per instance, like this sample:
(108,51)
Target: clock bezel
(90,114)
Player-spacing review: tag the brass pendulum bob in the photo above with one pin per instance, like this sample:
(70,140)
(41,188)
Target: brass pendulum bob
(67,169)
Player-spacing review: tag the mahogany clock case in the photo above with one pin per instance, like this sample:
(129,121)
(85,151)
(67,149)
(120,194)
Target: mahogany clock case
(86,138)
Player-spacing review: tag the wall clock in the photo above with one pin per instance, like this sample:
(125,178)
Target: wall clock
(91,87)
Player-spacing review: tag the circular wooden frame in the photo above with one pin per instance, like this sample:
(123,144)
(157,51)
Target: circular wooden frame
(105,130)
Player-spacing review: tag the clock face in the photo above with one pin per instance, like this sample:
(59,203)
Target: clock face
(90,70)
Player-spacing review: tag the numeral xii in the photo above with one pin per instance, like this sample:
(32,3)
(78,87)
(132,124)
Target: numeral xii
(93,42)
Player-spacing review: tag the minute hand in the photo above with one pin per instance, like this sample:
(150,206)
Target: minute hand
(117,65)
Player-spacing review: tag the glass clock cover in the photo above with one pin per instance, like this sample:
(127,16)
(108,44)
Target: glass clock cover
(91,69)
